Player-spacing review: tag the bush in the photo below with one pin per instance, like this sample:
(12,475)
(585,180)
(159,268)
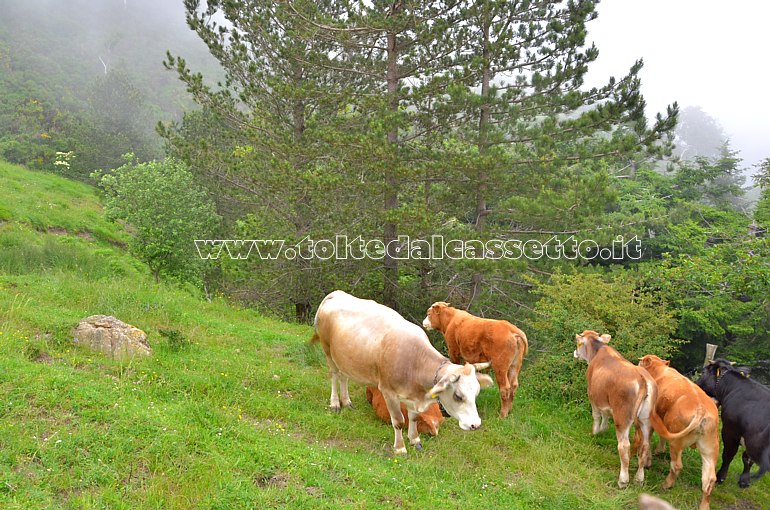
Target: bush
(167,211)
(638,322)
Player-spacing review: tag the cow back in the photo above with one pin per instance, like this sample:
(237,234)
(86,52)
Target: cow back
(614,381)
(368,341)
(479,339)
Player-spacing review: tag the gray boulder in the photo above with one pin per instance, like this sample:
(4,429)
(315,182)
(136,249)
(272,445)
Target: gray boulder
(112,337)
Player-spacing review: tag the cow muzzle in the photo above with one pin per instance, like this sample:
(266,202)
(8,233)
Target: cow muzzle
(471,425)
(426,324)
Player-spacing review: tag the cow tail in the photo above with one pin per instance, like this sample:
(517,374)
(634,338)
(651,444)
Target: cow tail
(316,339)
(662,430)
(646,401)
(764,464)
(521,341)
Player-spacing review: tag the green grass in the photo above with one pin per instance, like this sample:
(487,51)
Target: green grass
(231,410)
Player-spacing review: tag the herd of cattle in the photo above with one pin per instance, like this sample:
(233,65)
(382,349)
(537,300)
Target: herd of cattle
(407,377)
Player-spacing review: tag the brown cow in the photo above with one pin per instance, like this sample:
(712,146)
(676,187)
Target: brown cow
(477,340)
(374,345)
(428,421)
(683,406)
(617,386)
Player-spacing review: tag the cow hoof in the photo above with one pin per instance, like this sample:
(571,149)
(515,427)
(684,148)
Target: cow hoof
(400,451)
(336,409)
(622,484)
(418,447)
(743,484)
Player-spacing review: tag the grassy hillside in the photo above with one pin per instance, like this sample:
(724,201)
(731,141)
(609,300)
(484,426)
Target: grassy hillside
(231,411)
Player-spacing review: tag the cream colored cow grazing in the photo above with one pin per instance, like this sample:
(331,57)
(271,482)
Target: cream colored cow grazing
(617,386)
(373,345)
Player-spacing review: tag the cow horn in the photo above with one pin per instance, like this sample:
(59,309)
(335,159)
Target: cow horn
(482,366)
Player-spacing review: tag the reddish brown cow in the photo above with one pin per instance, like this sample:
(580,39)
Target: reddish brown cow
(477,340)
(428,421)
(619,387)
(684,407)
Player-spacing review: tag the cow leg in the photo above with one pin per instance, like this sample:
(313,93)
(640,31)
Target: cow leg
(513,380)
(661,447)
(624,451)
(675,448)
(504,384)
(708,445)
(637,445)
(334,372)
(344,399)
(745,478)
(643,457)
(397,420)
(600,420)
(454,355)
(413,434)
(731,442)
(334,400)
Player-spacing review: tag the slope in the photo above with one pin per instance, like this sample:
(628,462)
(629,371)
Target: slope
(230,411)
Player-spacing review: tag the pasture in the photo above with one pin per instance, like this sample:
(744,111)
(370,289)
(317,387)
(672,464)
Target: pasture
(231,410)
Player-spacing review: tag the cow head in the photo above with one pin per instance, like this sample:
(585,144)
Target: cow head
(429,421)
(457,391)
(583,340)
(652,363)
(712,373)
(433,319)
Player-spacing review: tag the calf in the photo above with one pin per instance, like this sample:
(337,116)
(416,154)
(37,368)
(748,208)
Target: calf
(428,421)
(477,340)
(745,415)
(685,409)
(617,386)
(372,344)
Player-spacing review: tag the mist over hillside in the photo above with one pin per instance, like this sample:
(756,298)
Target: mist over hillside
(86,78)
(76,42)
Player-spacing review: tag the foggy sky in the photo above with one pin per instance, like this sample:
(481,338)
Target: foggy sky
(697,52)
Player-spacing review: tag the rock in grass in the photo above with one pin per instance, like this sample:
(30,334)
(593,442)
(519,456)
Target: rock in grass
(112,337)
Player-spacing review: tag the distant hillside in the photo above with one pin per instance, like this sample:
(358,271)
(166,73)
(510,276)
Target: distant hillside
(87,76)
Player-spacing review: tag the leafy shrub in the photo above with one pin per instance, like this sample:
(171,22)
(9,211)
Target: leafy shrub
(638,322)
(168,212)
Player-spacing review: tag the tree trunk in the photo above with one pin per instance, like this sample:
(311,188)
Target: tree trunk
(302,219)
(483,145)
(390,263)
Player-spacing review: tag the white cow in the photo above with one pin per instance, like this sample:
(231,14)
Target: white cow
(374,345)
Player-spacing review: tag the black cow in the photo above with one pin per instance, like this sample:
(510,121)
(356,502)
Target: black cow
(745,415)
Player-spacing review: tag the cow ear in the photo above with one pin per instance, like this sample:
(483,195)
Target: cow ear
(484,380)
(436,309)
(605,338)
(667,362)
(438,388)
